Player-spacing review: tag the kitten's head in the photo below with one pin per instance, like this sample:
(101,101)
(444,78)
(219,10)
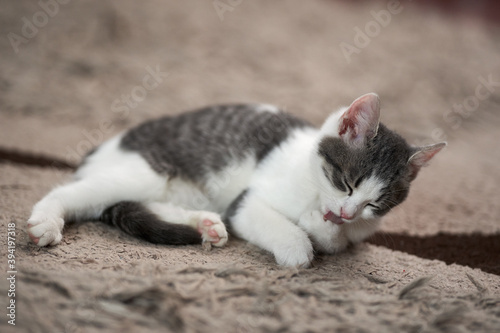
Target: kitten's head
(363,168)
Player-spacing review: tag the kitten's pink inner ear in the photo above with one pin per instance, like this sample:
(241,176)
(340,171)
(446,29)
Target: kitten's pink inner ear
(360,122)
(422,157)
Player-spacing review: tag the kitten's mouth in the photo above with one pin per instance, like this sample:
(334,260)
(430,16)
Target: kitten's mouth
(330,216)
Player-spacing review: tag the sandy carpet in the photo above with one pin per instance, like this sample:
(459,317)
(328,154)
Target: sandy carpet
(73,78)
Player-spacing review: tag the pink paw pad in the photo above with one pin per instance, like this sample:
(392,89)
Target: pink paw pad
(33,238)
(206,228)
(213,232)
(45,231)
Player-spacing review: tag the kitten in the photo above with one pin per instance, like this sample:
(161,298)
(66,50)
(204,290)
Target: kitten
(276,180)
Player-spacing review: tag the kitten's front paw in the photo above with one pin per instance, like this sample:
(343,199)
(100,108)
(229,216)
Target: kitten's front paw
(45,231)
(298,252)
(212,229)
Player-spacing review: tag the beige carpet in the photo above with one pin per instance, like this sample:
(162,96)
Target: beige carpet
(77,78)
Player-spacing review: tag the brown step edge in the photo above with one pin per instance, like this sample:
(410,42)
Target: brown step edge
(30,159)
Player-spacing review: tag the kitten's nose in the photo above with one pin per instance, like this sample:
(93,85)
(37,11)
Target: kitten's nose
(344,215)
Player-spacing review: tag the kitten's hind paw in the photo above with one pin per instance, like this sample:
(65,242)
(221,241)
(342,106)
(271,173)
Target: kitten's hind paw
(45,232)
(213,232)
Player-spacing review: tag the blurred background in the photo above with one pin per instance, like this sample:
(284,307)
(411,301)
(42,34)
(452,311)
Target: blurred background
(74,73)
(67,63)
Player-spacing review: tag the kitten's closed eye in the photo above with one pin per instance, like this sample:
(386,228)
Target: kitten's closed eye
(349,188)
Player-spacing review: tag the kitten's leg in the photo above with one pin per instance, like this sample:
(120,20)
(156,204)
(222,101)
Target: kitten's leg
(209,224)
(88,197)
(327,236)
(261,225)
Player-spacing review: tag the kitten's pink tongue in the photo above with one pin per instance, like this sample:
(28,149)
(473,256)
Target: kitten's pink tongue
(332,218)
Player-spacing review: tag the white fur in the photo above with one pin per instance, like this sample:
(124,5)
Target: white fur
(284,179)
(223,187)
(289,189)
(257,222)
(331,125)
(110,176)
(282,212)
(218,191)
(267,108)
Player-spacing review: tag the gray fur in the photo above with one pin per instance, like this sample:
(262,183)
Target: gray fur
(385,156)
(136,220)
(196,143)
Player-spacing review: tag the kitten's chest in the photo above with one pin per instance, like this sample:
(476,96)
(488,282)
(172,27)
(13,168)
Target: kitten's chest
(286,181)
(294,199)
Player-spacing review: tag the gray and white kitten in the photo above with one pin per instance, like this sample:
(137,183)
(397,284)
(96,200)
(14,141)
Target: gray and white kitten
(276,181)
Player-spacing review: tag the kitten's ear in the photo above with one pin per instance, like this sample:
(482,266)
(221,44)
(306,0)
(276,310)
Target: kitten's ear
(360,121)
(422,156)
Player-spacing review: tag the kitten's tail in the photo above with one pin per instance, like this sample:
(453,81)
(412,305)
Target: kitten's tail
(136,220)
